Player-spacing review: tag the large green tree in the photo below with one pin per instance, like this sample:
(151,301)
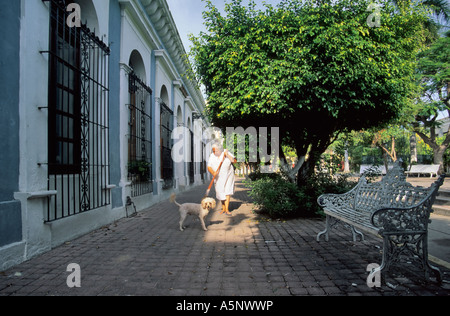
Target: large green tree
(311,68)
(433,73)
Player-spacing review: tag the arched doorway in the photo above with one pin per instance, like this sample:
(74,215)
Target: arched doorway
(166,128)
(139,165)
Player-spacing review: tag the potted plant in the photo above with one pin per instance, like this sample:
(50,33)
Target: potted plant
(139,170)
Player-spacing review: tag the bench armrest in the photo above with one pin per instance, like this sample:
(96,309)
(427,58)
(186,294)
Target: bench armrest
(399,219)
(411,218)
(337,200)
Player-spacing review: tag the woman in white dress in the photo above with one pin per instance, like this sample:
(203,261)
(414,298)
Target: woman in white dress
(224,181)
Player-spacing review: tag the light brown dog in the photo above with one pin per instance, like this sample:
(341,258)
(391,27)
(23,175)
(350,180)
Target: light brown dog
(201,210)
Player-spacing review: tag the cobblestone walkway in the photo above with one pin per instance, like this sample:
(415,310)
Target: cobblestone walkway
(240,255)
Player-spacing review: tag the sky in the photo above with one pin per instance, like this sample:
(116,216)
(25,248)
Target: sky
(187,15)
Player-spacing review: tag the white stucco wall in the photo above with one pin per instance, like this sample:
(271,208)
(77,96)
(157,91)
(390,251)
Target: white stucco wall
(139,34)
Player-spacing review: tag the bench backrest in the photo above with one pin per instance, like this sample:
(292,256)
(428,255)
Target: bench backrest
(369,196)
(424,169)
(391,191)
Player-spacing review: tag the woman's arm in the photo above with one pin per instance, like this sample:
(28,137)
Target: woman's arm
(211,171)
(230,156)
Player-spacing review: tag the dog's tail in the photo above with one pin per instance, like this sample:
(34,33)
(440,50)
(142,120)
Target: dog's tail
(172,199)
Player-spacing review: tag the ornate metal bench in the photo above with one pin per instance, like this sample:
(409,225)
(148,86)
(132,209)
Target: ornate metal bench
(423,169)
(391,208)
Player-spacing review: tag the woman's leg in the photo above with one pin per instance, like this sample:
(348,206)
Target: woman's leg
(227,204)
(223,207)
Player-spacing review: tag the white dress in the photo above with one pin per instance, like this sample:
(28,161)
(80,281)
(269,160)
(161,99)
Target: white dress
(224,182)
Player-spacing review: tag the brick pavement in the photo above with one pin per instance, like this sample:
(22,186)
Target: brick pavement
(240,255)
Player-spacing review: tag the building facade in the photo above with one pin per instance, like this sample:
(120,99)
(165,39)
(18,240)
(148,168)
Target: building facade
(91,93)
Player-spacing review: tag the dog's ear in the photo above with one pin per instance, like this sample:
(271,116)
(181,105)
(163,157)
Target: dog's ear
(213,202)
(204,204)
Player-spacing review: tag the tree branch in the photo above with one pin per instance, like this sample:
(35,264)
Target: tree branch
(427,139)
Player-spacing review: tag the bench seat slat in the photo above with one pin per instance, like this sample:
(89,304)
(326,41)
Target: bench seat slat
(360,220)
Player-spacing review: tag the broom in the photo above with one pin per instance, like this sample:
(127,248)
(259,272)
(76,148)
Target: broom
(212,181)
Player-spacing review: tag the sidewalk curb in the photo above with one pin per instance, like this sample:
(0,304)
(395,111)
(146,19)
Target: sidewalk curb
(438,261)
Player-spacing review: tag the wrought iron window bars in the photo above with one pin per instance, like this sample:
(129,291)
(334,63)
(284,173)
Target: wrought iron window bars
(78,121)
(140,137)
(166,146)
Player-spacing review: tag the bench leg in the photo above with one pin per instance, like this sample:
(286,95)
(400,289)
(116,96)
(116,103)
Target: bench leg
(415,245)
(355,233)
(428,265)
(331,222)
(436,272)
(325,232)
(387,249)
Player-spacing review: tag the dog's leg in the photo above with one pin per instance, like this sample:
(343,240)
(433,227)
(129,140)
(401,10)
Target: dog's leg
(202,221)
(182,218)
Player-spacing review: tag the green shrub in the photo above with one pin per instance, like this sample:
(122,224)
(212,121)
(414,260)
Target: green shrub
(319,184)
(275,196)
(259,175)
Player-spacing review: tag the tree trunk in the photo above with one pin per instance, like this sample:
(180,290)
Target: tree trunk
(438,150)
(413,147)
(438,159)
(290,171)
(307,169)
(346,162)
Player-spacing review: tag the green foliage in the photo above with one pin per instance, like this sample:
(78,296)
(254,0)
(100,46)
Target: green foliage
(274,195)
(323,183)
(139,168)
(434,72)
(312,69)
(433,75)
(372,173)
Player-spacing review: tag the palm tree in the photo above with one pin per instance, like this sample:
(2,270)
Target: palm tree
(440,8)
(438,23)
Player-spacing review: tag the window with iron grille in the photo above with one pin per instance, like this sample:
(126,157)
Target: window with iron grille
(139,140)
(78,128)
(166,146)
(64,94)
